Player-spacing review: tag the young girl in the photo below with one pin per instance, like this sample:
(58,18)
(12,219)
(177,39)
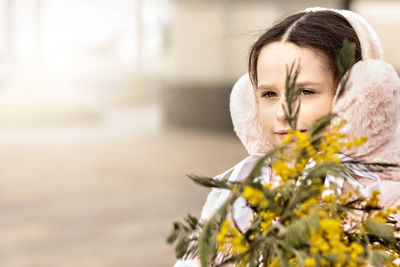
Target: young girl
(370,104)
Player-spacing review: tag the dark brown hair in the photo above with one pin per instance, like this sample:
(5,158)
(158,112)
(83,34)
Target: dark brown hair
(324,31)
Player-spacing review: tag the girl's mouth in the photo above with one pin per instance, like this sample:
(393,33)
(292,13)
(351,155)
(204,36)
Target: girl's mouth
(285,132)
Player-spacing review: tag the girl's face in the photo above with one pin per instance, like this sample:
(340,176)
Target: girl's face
(315,86)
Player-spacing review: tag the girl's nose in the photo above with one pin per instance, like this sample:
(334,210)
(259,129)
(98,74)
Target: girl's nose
(280,115)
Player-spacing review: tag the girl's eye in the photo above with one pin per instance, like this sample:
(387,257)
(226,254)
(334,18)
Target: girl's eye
(303,91)
(269,94)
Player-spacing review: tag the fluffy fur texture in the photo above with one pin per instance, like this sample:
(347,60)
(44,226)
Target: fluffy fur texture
(243,109)
(370,104)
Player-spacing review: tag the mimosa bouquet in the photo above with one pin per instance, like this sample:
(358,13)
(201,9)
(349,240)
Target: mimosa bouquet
(307,217)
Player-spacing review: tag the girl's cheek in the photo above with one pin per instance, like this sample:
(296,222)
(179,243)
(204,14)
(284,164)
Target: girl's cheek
(310,112)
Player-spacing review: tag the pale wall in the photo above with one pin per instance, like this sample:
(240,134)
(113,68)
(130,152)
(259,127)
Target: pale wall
(210,40)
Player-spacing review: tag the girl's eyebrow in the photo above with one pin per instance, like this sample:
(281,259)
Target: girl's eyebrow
(302,83)
(265,87)
(308,83)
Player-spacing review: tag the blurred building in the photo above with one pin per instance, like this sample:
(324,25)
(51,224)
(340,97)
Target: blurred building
(72,60)
(209,43)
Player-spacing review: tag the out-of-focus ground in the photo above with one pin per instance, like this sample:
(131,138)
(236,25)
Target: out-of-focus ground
(105,194)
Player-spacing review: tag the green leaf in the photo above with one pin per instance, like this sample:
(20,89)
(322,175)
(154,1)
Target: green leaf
(321,170)
(321,123)
(185,236)
(296,232)
(181,247)
(207,242)
(379,258)
(174,234)
(207,245)
(292,104)
(344,62)
(379,229)
(210,182)
(346,57)
(299,256)
(371,166)
(192,221)
(283,260)
(256,171)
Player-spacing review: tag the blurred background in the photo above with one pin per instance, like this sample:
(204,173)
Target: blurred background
(106,105)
